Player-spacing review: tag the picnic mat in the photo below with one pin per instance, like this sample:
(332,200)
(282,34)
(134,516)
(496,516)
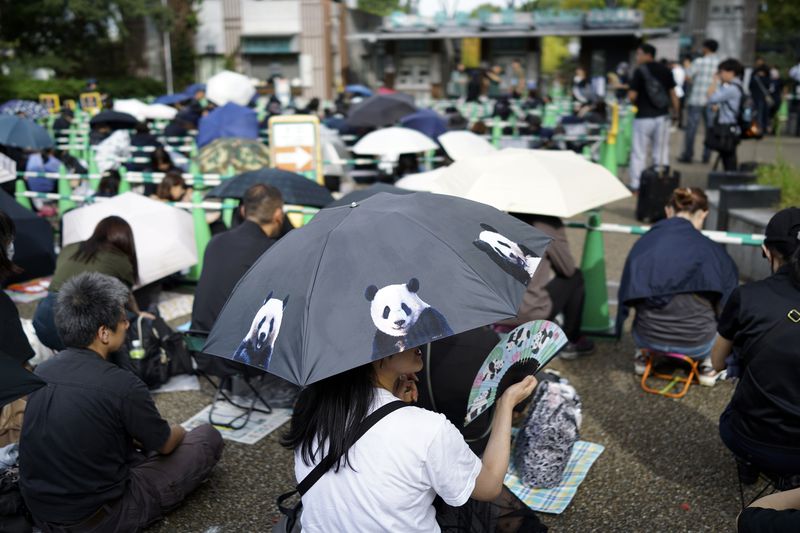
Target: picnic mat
(28,291)
(555,500)
(259,426)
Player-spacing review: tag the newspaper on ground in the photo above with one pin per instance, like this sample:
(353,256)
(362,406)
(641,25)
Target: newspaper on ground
(259,426)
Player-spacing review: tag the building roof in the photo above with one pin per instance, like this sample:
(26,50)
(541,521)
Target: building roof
(460,33)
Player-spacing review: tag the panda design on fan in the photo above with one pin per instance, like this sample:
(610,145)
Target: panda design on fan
(514,258)
(403,320)
(258,345)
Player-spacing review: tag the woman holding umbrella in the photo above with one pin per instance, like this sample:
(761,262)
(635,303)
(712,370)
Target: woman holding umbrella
(412,457)
(340,307)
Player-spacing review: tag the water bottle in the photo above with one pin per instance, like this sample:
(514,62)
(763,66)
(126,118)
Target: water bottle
(137,351)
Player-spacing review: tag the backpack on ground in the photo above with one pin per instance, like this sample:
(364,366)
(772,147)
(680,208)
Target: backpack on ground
(544,444)
(163,355)
(655,90)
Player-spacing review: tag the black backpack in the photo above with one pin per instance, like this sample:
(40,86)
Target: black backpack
(655,90)
(165,353)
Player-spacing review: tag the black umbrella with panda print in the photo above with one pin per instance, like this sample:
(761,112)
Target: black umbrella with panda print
(373,278)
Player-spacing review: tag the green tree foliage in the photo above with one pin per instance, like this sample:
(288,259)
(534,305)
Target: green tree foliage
(379,7)
(491,8)
(76,37)
(778,21)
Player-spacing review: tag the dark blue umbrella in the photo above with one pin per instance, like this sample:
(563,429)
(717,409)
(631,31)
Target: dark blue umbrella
(28,108)
(116,120)
(380,110)
(426,121)
(359,283)
(172,99)
(230,120)
(15,381)
(23,133)
(359,195)
(360,90)
(193,88)
(33,242)
(295,189)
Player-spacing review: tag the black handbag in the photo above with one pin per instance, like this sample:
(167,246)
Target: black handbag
(722,137)
(290,519)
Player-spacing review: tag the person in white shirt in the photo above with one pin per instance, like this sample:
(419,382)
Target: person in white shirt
(700,74)
(388,479)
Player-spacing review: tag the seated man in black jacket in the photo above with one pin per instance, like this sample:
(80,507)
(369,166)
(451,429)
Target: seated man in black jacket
(230,254)
(80,464)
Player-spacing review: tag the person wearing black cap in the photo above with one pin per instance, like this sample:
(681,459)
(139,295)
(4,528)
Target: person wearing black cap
(761,325)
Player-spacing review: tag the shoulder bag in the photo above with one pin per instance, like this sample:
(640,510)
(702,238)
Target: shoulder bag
(290,519)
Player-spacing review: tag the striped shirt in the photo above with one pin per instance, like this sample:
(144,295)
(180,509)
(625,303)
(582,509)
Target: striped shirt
(701,72)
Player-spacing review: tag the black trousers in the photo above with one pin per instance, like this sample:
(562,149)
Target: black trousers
(567,295)
(729,163)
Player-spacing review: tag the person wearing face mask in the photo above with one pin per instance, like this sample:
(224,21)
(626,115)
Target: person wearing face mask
(760,326)
(15,343)
(677,279)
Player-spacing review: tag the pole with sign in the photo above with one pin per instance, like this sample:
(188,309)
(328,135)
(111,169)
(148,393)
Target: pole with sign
(294,145)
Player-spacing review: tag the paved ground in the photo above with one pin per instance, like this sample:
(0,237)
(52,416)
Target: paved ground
(664,468)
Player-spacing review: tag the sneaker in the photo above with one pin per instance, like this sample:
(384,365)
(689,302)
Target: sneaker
(708,376)
(573,350)
(683,159)
(639,363)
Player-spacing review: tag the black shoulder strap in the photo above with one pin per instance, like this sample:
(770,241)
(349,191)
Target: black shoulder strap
(328,461)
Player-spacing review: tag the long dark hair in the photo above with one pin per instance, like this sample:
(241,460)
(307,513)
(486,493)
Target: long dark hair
(7,233)
(111,234)
(330,411)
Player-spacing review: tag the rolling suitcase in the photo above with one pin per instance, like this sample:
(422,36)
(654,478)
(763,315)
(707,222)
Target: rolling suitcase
(655,187)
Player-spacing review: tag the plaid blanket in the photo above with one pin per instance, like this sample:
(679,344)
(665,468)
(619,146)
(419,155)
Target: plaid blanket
(555,500)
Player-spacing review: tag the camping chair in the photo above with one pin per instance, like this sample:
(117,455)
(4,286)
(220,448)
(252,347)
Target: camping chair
(225,372)
(651,371)
(772,482)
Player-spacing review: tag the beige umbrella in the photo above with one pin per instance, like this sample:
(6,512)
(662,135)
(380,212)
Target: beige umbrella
(464,144)
(543,182)
(164,235)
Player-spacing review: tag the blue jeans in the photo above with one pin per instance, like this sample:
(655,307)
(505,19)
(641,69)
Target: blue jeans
(45,325)
(695,114)
(701,352)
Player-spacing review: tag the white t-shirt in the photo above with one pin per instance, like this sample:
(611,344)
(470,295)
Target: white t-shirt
(401,464)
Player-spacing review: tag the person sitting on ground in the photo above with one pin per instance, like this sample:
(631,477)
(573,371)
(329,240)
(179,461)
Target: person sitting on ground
(109,184)
(231,253)
(388,479)
(677,278)
(15,343)
(95,454)
(173,188)
(556,288)
(110,250)
(761,325)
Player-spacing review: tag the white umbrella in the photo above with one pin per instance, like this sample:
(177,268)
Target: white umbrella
(393,141)
(542,182)
(164,235)
(143,111)
(228,86)
(131,106)
(464,144)
(423,181)
(160,112)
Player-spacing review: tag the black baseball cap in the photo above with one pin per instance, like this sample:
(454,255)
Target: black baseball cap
(784,229)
